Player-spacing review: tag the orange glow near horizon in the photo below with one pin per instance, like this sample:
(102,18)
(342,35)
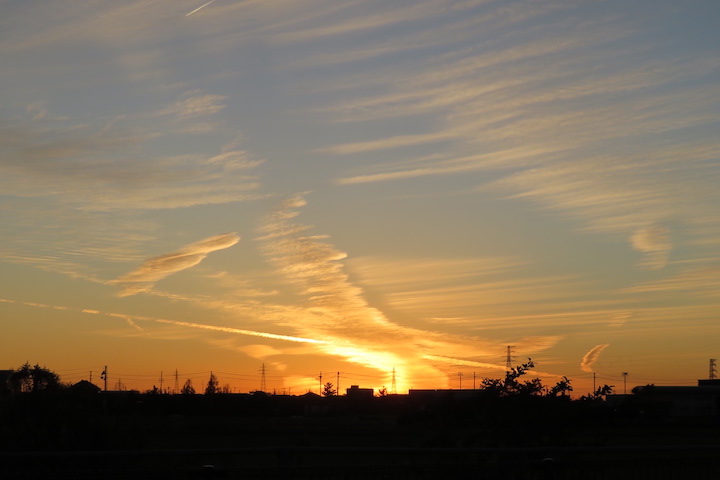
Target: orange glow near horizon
(418,190)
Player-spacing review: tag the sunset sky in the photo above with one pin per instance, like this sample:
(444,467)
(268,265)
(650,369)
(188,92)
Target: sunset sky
(359,186)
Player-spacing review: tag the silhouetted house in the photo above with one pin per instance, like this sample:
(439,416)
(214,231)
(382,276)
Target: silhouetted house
(357,393)
(83,387)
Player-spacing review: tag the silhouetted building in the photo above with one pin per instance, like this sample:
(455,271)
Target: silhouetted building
(356,393)
(682,401)
(712,382)
(83,387)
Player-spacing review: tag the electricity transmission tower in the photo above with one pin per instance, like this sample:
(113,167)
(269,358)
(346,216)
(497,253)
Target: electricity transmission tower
(509,357)
(263,384)
(713,369)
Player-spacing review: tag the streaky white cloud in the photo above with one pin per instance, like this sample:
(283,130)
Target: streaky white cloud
(589,359)
(155,269)
(389,273)
(594,137)
(451,165)
(103,170)
(363,23)
(464,288)
(195,104)
(702,281)
(199,8)
(338,311)
(621,318)
(128,319)
(653,240)
(239,331)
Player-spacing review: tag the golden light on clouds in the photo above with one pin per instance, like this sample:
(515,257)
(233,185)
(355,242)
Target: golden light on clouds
(592,356)
(483,174)
(155,269)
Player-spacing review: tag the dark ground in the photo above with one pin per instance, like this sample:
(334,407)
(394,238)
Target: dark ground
(124,435)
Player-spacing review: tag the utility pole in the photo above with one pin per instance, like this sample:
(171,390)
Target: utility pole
(594,388)
(104,376)
(90,376)
(625,374)
(320,383)
(177,383)
(394,383)
(161,381)
(474,381)
(460,375)
(337,387)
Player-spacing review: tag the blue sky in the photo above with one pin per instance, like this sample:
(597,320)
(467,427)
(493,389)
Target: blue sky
(360,186)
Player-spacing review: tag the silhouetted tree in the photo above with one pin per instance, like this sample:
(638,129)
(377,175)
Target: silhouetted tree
(328,390)
(600,393)
(34,379)
(561,388)
(510,385)
(382,392)
(226,388)
(187,388)
(212,385)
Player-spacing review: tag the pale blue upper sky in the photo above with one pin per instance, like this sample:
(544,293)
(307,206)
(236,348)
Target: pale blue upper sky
(409,184)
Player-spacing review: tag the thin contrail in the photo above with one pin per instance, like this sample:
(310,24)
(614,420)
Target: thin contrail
(200,7)
(237,331)
(132,318)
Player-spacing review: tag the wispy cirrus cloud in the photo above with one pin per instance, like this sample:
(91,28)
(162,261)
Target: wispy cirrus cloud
(468,291)
(588,132)
(655,242)
(592,356)
(702,281)
(195,104)
(155,269)
(103,170)
(338,311)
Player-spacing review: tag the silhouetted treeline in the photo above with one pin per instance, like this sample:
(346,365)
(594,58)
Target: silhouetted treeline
(509,412)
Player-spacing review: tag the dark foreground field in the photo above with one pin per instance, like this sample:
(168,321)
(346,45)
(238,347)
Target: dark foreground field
(678,462)
(275,437)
